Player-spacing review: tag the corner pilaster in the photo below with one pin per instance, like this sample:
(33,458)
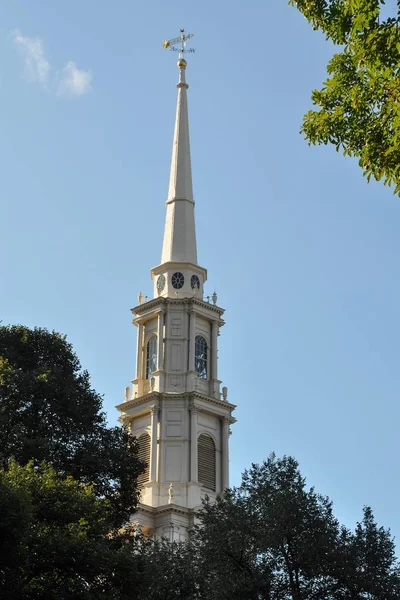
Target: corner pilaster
(225,452)
(153,454)
(193,444)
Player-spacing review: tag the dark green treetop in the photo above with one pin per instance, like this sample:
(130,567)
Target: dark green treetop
(49,412)
(273,538)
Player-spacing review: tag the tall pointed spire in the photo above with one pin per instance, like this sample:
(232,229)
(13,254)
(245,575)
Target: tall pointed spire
(179,234)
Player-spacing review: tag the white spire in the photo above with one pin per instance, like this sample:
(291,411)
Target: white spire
(179,234)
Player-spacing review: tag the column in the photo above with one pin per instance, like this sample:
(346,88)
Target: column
(193,444)
(153,454)
(139,352)
(214,350)
(167,345)
(225,453)
(160,332)
(161,451)
(192,334)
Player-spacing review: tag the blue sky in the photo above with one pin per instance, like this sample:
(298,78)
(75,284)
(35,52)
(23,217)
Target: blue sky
(302,252)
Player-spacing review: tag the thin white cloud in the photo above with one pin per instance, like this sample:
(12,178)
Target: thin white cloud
(74,81)
(37,67)
(71,82)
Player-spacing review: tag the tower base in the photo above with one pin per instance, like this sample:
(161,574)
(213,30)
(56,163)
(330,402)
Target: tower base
(171,522)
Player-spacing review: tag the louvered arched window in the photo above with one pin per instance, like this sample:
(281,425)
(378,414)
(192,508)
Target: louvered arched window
(144,454)
(206,462)
(151,356)
(200,356)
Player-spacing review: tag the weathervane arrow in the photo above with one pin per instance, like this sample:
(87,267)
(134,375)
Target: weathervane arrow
(181,40)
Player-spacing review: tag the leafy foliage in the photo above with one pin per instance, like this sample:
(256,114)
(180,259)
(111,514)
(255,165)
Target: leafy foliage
(284,548)
(15,520)
(173,571)
(49,412)
(274,539)
(359,104)
(65,546)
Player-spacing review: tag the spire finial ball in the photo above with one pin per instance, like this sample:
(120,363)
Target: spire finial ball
(182,63)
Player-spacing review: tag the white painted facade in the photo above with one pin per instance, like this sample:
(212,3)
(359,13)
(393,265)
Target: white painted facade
(176,395)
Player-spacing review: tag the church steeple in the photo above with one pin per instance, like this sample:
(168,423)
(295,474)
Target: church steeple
(177,409)
(179,234)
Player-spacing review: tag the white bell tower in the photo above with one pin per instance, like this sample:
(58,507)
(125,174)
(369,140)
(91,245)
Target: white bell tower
(176,408)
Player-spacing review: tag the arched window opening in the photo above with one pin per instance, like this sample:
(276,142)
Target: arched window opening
(206,462)
(200,356)
(151,357)
(144,455)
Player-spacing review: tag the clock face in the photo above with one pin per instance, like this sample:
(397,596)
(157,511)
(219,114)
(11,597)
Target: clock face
(161,283)
(178,280)
(195,282)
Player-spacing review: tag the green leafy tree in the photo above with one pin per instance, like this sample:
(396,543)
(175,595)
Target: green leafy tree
(49,412)
(173,571)
(271,536)
(15,520)
(367,565)
(358,107)
(274,539)
(58,540)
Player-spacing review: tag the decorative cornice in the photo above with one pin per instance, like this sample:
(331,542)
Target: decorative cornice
(196,396)
(139,400)
(162,302)
(176,265)
(190,396)
(167,508)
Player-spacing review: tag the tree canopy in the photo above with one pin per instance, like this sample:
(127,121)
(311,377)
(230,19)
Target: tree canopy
(68,482)
(358,107)
(49,412)
(58,540)
(273,538)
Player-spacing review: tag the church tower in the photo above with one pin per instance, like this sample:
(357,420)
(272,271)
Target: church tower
(176,408)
